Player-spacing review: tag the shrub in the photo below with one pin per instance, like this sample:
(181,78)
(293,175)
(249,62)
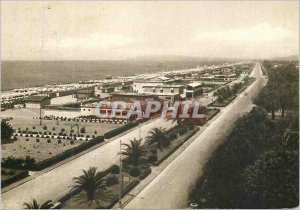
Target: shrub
(27,139)
(33,127)
(59,141)
(153,151)
(82,130)
(40,132)
(37,140)
(135,172)
(26,135)
(72,142)
(37,135)
(95,132)
(172,136)
(52,137)
(191,126)
(152,158)
(115,169)
(48,140)
(53,128)
(45,127)
(182,130)
(31,135)
(15,138)
(112,180)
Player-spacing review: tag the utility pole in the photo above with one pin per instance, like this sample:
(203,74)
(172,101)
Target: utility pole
(121,177)
(40,115)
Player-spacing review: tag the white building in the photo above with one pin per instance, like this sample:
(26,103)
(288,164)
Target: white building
(138,85)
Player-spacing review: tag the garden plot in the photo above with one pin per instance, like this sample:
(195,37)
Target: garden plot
(61,130)
(37,148)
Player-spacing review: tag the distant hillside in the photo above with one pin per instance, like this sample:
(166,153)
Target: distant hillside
(163,58)
(288,58)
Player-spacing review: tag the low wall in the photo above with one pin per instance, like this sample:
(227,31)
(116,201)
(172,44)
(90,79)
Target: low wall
(62,113)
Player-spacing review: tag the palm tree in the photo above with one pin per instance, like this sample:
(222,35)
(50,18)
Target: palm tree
(91,185)
(134,151)
(158,136)
(34,205)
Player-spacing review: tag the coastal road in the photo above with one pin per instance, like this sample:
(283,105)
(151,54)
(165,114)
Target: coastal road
(54,183)
(171,187)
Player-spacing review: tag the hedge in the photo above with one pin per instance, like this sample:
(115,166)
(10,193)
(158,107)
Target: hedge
(68,153)
(145,173)
(16,177)
(119,130)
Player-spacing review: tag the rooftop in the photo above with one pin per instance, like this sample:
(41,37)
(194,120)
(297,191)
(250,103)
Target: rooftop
(162,86)
(37,98)
(194,84)
(155,79)
(131,94)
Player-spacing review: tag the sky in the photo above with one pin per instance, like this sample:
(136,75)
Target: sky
(99,30)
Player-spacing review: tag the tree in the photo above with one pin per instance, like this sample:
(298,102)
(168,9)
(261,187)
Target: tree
(34,205)
(268,98)
(92,184)
(135,151)
(272,180)
(158,136)
(6,131)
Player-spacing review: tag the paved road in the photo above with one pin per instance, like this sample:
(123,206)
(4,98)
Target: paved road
(170,188)
(54,183)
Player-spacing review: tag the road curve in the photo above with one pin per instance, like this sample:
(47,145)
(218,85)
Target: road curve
(170,188)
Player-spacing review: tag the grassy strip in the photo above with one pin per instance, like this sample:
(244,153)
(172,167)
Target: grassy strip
(212,112)
(171,151)
(225,103)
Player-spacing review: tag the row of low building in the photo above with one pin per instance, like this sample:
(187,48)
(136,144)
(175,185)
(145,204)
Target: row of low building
(158,88)
(155,87)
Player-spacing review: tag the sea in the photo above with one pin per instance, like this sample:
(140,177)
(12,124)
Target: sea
(22,74)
